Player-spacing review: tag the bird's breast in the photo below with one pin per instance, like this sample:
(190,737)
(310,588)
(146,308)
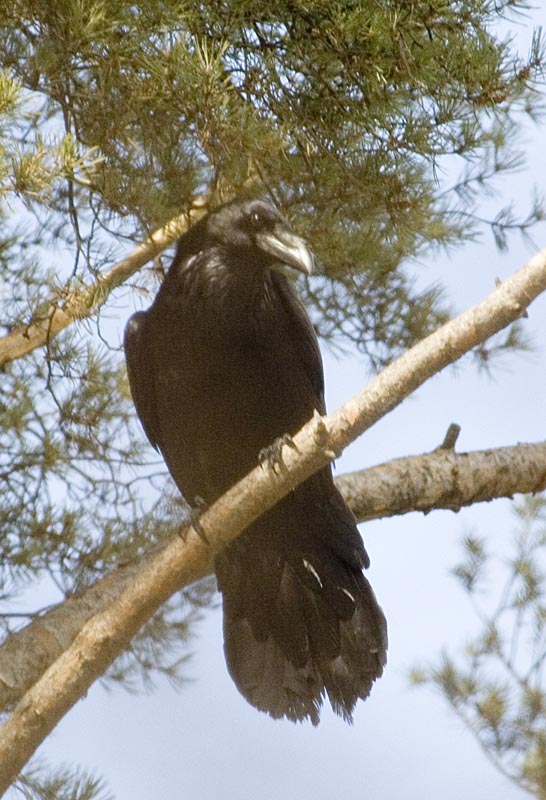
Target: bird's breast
(222,395)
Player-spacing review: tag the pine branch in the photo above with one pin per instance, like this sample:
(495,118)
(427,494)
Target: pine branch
(106,634)
(438,480)
(85,302)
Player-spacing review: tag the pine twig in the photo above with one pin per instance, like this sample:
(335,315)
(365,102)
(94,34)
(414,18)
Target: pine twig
(85,302)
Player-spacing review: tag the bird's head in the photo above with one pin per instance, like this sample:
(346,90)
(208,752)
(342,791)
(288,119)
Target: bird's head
(257,232)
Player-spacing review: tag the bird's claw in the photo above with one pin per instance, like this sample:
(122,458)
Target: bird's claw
(271,457)
(194,517)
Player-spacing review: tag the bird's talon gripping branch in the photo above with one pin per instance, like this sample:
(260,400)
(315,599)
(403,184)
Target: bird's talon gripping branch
(322,438)
(195,513)
(271,457)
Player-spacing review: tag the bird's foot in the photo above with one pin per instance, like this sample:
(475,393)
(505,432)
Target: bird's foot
(194,517)
(271,457)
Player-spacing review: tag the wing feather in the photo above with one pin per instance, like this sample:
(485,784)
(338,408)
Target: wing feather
(303,336)
(141,372)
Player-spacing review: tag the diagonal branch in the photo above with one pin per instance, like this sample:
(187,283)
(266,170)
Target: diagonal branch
(106,634)
(438,480)
(85,302)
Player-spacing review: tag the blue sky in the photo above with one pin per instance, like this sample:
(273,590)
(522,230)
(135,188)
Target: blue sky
(205,741)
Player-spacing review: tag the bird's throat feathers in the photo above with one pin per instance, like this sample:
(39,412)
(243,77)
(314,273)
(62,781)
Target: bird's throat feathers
(227,286)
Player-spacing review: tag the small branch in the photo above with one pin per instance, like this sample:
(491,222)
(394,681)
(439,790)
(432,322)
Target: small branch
(450,439)
(85,302)
(107,634)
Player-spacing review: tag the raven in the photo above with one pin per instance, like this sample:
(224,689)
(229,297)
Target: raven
(223,364)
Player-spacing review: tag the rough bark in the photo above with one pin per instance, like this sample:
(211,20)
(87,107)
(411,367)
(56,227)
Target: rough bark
(106,634)
(26,654)
(444,479)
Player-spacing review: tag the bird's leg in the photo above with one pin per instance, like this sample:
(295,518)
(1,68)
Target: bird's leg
(271,456)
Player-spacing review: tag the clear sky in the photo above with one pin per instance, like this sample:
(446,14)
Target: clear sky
(206,742)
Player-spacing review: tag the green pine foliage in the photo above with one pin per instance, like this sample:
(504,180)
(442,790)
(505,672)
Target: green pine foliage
(496,684)
(63,783)
(347,113)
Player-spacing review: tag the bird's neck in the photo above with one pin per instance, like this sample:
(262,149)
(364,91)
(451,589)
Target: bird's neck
(232,288)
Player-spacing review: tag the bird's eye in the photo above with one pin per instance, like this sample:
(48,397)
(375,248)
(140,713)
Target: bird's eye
(256,219)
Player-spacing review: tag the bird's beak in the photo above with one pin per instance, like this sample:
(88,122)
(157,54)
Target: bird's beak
(287,248)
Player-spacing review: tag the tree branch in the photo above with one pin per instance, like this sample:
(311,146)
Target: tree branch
(85,302)
(106,634)
(26,654)
(439,480)
(443,479)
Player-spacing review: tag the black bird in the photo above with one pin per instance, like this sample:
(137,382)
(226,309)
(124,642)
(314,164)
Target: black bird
(224,363)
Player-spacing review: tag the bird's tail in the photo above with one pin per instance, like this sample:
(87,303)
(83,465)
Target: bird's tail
(301,622)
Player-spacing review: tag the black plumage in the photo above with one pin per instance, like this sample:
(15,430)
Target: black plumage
(223,363)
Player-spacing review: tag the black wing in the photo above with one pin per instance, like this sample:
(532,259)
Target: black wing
(303,335)
(141,372)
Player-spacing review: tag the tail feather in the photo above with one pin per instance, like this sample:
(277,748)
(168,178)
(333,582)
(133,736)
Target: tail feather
(300,623)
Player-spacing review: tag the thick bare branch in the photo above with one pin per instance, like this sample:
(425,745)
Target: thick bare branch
(26,654)
(439,480)
(444,479)
(106,634)
(86,302)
